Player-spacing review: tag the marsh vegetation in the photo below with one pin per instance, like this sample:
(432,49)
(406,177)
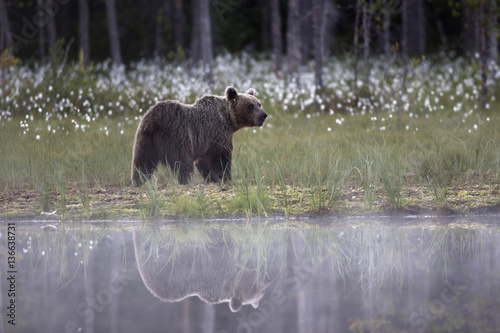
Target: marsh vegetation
(68,136)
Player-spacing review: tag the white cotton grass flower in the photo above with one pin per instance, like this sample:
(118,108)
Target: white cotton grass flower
(432,87)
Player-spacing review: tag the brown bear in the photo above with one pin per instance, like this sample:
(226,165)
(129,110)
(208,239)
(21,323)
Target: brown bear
(212,273)
(180,135)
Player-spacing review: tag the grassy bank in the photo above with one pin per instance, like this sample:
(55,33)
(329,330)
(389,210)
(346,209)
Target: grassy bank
(68,139)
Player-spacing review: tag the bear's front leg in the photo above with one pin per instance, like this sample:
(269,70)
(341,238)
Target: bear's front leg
(144,159)
(215,169)
(181,167)
(183,170)
(225,167)
(204,166)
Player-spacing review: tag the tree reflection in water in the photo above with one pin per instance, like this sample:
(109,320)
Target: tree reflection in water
(343,276)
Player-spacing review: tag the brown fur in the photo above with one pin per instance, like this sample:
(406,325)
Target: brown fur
(213,273)
(181,135)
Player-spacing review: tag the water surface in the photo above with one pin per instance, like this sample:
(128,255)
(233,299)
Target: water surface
(357,275)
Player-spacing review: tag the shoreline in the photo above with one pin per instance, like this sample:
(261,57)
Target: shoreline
(215,202)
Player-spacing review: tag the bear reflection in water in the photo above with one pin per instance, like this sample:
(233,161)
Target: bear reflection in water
(212,273)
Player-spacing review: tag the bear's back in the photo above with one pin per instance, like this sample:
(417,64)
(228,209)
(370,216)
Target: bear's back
(207,111)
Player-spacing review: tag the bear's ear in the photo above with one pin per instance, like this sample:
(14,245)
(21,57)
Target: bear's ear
(235,302)
(231,94)
(251,92)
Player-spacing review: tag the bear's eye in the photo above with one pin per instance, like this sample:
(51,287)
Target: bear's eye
(250,107)
(260,105)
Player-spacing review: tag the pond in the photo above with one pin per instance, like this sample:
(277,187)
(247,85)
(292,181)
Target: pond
(346,275)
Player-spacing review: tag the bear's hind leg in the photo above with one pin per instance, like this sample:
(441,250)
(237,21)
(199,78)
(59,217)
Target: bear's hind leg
(185,172)
(217,169)
(145,158)
(225,167)
(204,167)
(182,168)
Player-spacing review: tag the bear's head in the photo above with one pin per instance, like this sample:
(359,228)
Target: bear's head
(249,290)
(245,109)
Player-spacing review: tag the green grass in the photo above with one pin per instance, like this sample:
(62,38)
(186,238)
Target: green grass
(303,161)
(192,204)
(152,204)
(325,166)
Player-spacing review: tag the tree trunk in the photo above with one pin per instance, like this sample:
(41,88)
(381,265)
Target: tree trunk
(5,41)
(415,28)
(158,19)
(470,40)
(494,41)
(485,25)
(404,32)
(114,37)
(51,30)
(387,30)
(356,41)
(206,39)
(276,35)
(421,27)
(306,31)
(41,35)
(195,34)
(264,25)
(318,11)
(83,32)
(330,19)
(442,34)
(4,44)
(179,24)
(293,41)
(404,48)
(367,9)
(65,20)
(493,14)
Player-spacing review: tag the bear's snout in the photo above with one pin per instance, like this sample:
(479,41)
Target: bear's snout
(263,117)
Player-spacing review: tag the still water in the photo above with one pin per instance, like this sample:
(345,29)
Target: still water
(357,275)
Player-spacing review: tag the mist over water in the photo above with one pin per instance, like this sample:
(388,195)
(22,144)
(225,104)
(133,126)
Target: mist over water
(357,275)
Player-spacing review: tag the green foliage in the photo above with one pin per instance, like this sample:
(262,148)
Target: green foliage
(62,195)
(152,203)
(84,194)
(81,60)
(70,139)
(7,60)
(44,196)
(57,53)
(192,204)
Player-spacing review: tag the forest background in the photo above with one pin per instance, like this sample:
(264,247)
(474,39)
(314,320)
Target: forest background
(129,30)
